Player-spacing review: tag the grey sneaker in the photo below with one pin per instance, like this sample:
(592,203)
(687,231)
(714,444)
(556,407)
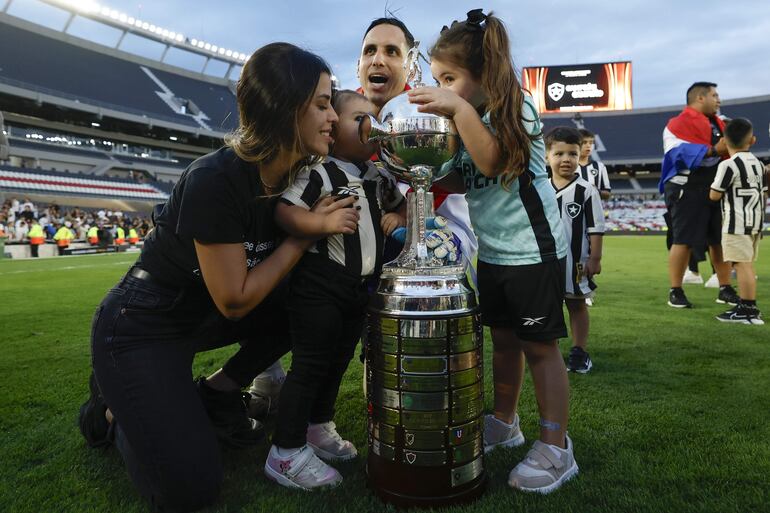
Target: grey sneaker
(499,434)
(543,471)
(303,470)
(328,444)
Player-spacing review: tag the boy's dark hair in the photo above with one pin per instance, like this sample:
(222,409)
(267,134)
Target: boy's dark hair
(343,95)
(737,131)
(586,133)
(392,20)
(698,89)
(563,134)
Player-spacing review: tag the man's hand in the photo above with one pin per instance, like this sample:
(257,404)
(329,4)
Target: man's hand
(391,221)
(721,147)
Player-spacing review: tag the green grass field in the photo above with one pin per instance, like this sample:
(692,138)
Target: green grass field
(674,416)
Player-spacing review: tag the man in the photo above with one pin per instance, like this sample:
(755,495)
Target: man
(381,64)
(693,146)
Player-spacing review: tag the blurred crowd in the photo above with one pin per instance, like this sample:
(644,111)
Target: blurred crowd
(18,216)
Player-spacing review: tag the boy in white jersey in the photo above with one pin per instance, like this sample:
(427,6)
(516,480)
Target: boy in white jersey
(590,170)
(583,221)
(741,184)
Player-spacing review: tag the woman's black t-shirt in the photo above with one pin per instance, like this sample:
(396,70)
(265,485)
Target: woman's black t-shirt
(218,199)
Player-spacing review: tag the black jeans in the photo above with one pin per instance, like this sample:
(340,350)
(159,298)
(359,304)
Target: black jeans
(144,338)
(326,309)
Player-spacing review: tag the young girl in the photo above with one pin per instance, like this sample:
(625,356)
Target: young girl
(521,246)
(328,295)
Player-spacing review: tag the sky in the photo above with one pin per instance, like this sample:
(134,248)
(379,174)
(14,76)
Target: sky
(671,43)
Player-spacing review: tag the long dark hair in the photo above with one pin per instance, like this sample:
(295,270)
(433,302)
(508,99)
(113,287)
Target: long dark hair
(275,86)
(480,45)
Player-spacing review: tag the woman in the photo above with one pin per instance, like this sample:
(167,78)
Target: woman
(209,275)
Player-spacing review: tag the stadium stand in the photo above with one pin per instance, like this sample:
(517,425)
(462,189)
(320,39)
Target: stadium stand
(100,127)
(77,73)
(34,180)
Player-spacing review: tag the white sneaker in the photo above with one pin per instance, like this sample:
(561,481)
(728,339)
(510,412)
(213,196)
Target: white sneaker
(691,277)
(303,470)
(545,468)
(712,283)
(499,434)
(328,444)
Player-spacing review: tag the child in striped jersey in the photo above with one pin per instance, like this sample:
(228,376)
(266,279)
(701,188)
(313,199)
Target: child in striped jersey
(741,184)
(328,295)
(501,167)
(583,222)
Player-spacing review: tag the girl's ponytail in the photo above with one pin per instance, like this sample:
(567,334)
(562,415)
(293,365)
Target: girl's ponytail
(480,45)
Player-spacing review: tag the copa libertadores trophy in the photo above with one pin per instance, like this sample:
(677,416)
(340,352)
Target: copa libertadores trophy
(424,340)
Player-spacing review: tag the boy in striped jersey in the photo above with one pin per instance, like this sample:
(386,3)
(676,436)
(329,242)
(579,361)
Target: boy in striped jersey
(583,222)
(328,295)
(590,170)
(741,184)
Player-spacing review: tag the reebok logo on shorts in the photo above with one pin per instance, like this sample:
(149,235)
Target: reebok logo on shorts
(531,321)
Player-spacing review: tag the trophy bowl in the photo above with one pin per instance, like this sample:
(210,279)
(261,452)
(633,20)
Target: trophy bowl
(409,139)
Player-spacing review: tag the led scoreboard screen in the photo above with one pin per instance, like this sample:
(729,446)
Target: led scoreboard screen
(580,87)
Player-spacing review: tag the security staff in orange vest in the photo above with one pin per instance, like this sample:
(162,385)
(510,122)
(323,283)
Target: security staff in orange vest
(63,237)
(36,237)
(93,235)
(120,236)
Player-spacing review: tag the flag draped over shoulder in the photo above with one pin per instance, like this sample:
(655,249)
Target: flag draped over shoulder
(686,139)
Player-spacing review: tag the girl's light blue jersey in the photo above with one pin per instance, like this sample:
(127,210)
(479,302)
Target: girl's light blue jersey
(522,225)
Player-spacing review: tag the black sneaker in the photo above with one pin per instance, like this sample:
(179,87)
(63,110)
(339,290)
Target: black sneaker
(728,296)
(91,420)
(228,412)
(677,299)
(579,361)
(742,314)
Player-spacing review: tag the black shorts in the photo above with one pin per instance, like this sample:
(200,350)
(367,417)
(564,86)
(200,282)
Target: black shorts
(527,298)
(695,220)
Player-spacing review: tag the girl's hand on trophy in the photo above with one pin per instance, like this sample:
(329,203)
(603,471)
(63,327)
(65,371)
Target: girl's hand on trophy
(434,100)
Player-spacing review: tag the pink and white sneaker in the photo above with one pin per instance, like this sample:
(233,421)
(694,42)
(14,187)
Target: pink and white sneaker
(303,470)
(328,444)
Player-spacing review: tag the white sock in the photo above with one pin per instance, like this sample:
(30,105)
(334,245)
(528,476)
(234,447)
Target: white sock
(512,424)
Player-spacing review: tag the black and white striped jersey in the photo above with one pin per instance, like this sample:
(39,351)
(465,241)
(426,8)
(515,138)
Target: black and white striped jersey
(742,180)
(595,173)
(360,253)
(581,213)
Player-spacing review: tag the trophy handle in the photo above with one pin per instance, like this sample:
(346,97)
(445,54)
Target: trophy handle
(412,66)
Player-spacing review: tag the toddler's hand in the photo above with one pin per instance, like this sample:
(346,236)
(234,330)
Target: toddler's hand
(390,222)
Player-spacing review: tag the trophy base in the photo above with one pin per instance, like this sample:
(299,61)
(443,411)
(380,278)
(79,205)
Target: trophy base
(378,482)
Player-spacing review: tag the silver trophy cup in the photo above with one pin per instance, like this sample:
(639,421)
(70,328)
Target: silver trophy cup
(424,375)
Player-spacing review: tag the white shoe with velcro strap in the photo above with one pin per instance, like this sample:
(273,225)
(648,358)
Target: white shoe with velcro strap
(544,469)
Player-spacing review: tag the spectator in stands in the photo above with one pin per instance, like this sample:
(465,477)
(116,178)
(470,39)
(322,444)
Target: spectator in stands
(210,274)
(741,184)
(20,230)
(693,146)
(590,170)
(36,237)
